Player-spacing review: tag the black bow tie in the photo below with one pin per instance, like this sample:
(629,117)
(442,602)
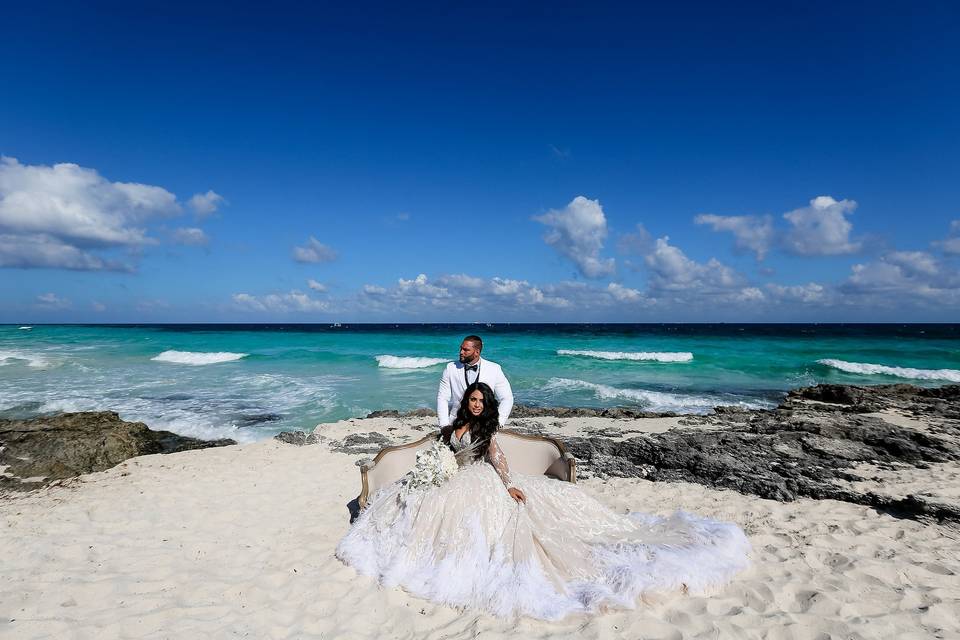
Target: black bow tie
(472,367)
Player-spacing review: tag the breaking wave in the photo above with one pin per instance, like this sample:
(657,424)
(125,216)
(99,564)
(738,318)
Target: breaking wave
(653,400)
(655,356)
(198,358)
(405,362)
(867,368)
(32,360)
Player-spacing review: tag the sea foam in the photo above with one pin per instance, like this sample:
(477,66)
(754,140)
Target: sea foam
(404,362)
(198,358)
(867,368)
(655,356)
(652,400)
(32,360)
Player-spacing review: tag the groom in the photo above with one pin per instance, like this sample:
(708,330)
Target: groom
(469,369)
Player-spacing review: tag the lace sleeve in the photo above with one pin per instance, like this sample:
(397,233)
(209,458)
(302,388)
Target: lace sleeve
(499,461)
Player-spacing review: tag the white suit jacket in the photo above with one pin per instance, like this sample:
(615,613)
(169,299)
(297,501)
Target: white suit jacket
(452,386)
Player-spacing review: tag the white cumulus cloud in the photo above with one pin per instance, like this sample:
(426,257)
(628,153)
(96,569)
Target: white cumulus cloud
(65,216)
(461,281)
(421,286)
(373,290)
(806,293)
(624,294)
(951,244)
(900,277)
(77,205)
(752,233)
(507,286)
(205,204)
(578,232)
(749,294)
(190,236)
(913,262)
(314,251)
(462,294)
(821,229)
(51,301)
(37,251)
(319,287)
(671,269)
(292,302)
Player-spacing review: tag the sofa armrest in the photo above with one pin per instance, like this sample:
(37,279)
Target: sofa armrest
(366,466)
(571,467)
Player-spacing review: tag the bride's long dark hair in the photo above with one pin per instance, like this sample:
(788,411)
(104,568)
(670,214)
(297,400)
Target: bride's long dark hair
(482,427)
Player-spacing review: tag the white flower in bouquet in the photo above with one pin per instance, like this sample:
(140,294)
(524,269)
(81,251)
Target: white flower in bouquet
(434,465)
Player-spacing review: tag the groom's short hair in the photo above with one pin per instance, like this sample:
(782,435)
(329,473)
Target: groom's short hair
(476,340)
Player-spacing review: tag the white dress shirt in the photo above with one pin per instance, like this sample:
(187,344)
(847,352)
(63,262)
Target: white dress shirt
(453,384)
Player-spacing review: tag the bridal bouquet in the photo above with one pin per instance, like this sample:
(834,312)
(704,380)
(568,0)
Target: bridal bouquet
(433,467)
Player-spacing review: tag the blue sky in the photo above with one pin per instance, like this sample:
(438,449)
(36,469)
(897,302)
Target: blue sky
(560,162)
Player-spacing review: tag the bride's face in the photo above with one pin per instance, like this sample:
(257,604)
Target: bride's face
(475,401)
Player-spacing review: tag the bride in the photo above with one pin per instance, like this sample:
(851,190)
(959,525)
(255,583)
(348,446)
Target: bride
(513,544)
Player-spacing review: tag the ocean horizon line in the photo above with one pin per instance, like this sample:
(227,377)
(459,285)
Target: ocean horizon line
(466,324)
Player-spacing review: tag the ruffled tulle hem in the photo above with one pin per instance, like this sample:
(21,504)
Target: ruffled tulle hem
(479,574)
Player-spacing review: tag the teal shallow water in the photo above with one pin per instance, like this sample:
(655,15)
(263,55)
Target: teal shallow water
(250,382)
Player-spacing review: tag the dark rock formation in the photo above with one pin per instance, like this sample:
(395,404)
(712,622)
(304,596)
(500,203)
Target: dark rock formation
(354,444)
(943,402)
(388,413)
(298,438)
(800,449)
(393,413)
(70,444)
(619,413)
(361,443)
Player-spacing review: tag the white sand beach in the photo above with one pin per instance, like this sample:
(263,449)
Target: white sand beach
(238,542)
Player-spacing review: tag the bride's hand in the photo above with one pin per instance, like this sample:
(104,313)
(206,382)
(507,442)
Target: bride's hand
(517,495)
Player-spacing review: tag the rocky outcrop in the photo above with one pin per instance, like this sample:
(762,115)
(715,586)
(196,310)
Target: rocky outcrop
(38,451)
(361,443)
(298,438)
(939,402)
(393,413)
(353,444)
(617,413)
(806,447)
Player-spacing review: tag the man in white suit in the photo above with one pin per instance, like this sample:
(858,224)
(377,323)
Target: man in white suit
(469,369)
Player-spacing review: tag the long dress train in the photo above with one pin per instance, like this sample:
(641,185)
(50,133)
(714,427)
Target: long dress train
(467,543)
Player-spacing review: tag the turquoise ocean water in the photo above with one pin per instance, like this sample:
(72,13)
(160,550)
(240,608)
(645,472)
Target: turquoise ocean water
(249,382)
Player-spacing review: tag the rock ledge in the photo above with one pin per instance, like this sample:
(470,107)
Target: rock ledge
(38,451)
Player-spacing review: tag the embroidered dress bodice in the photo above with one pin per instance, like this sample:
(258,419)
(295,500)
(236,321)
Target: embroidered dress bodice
(494,454)
(460,444)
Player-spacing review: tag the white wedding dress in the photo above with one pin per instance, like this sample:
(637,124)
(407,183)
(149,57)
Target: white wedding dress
(467,543)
